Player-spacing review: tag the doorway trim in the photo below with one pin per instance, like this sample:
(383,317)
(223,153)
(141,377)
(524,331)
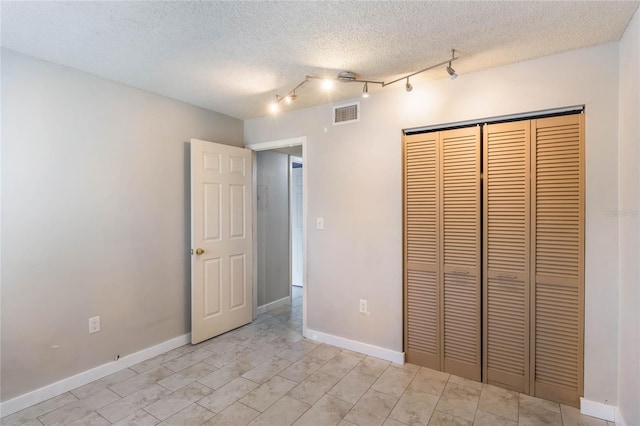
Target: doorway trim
(264,146)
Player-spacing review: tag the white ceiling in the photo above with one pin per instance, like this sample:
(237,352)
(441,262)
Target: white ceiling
(233,57)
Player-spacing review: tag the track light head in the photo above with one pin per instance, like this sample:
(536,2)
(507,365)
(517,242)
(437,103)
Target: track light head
(451,71)
(327,84)
(365,90)
(408,87)
(273,107)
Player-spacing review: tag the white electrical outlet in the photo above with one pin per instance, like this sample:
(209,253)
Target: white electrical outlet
(363,306)
(320,223)
(94,325)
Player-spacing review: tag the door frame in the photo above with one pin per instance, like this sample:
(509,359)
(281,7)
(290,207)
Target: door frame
(292,159)
(264,146)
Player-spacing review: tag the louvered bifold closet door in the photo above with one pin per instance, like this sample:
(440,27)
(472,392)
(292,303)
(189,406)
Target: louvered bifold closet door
(558,258)
(421,238)
(461,265)
(506,255)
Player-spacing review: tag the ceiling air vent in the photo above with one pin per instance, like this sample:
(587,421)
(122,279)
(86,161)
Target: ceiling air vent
(344,114)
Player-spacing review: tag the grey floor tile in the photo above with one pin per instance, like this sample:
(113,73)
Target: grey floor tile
(460,398)
(236,415)
(302,369)
(287,338)
(498,401)
(571,416)
(325,352)
(488,419)
(132,403)
(187,376)
(93,419)
(340,364)
(156,361)
(314,387)
(224,375)
(177,401)
(267,370)
(393,422)
(37,410)
(103,383)
(352,386)
(394,380)
(415,407)
(187,360)
(429,381)
(32,422)
(227,357)
(141,381)
(327,411)
(535,411)
(218,346)
(193,415)
(297,350)
(372,366)
(260,355)
(444,419)
(139,418)
(227,394)
(267,393)
(372,409)
(266,374)
(79,409)
(283,413)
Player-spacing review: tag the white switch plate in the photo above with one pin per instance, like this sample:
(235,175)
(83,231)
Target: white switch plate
(320,223)
(363,306)
(94,325)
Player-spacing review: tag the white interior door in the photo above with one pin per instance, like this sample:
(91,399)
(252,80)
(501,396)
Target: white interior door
(221,239)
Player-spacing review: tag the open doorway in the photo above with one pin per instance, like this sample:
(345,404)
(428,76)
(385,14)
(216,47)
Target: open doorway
(280,237)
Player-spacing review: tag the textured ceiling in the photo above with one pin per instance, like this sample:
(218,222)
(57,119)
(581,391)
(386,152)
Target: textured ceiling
(233,57)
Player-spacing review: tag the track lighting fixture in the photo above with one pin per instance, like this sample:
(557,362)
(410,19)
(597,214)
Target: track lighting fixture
(408,87)
(350,77)
(451,71)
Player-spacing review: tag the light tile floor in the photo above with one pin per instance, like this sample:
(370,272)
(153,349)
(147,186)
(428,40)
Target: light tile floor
(265,373)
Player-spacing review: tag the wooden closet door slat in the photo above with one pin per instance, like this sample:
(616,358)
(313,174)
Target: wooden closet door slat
(460,272)
(557,328)
(506,243)
(421,253)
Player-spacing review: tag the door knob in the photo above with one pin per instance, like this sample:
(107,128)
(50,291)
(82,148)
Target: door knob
(199,251)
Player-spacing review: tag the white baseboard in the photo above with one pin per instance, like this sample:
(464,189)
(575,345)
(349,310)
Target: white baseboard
(352,345)
(598,409)
(273,305)
(58,388)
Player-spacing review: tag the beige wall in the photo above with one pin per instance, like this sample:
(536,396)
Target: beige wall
(273,227)
(95,219)
(629,223)
(354,181)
